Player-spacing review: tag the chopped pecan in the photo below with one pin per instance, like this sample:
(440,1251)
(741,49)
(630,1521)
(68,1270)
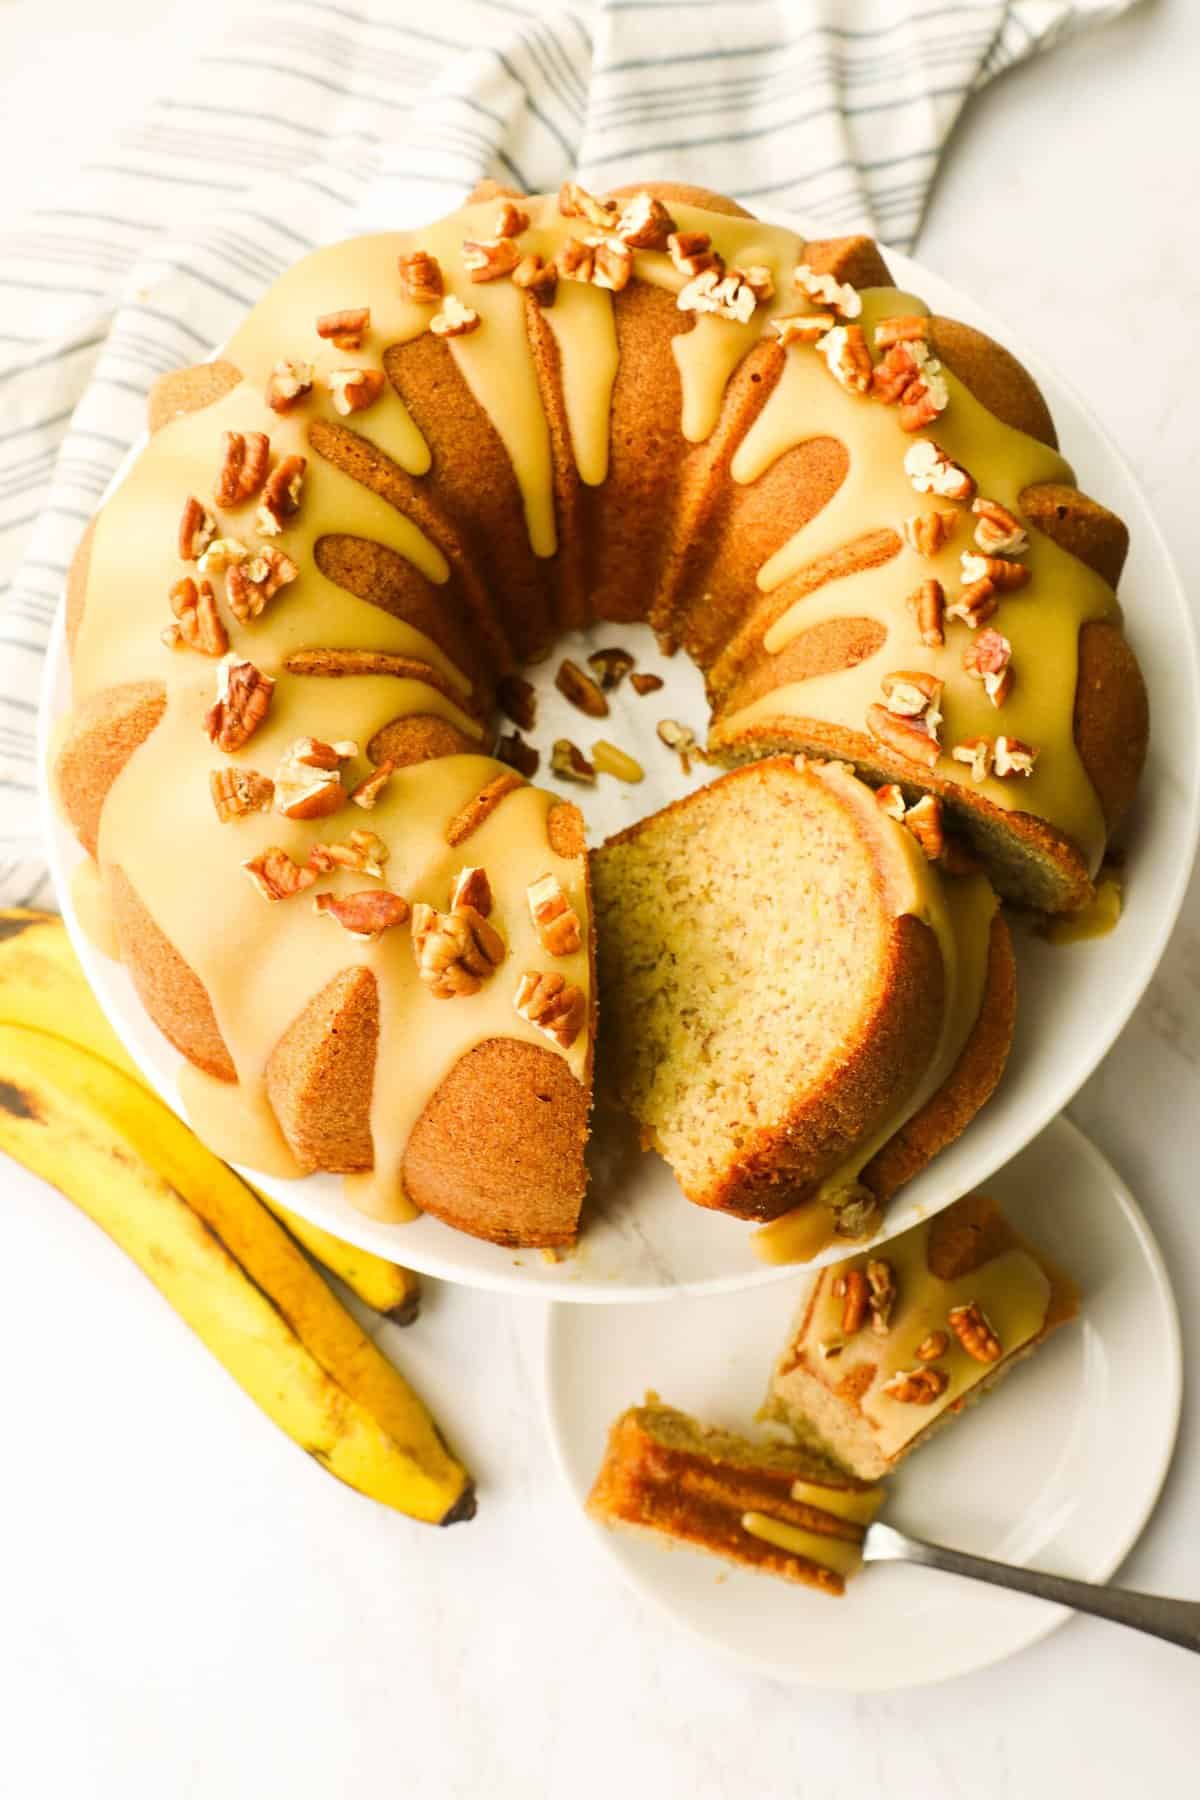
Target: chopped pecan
(197,624)
(511,221)
(242,703)
(556,1006)
(517,700)
(645,683)
(904,737)
(824,290)
(852,1290)
(367,914)
(289,383)
(221,555)
(926,532)
(644,223)
(923,401)
(890,799)
(924,820)
(281,496)
(612,265)
(680,738)
(197,529)
(511,748)
(928,605)
(692,252)
(896,371)
(916,1387)
(728,295)
(974,1331)
(610,667)
(933,1345)
(251,583)
(538,277)
(998,533)
(1004,576)
(308,783)
(489,260)
(857,1211)
(978,753)
(914,694)
(931,471)
(363,853)
(577,260)
(236,791)
(455,319)
(758,278)
(847,357)
(881,1280)
(472,888)
(569,762)
(420,278)
(244,459)
(988,657)
(456,951)
(369,789)
(467,821)
(353,390)
(345,330)
(1013,757)
(579,688)
(905,328)
(574,202)
(803,328)
(554,918)
(276,876)
(608,759)
(974,605)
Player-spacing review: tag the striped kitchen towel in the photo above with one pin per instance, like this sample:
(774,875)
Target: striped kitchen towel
(317,119)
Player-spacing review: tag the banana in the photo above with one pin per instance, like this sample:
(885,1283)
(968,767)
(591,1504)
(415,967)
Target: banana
(227,1268)
(42,984)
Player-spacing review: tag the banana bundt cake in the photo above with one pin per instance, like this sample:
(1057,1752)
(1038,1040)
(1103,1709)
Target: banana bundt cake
(420,458)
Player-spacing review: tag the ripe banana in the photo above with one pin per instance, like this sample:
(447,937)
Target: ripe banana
(227,1268)
(42,984)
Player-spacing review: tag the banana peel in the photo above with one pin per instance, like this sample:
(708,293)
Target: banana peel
(228,1268)
(43,985)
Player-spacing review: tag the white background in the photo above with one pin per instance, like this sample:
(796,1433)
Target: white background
(190,1608)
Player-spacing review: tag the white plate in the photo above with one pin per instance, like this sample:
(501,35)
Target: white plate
(1058,1469)
(641,1240)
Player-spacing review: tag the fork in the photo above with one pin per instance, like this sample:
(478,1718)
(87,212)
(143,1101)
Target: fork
(1178,1621)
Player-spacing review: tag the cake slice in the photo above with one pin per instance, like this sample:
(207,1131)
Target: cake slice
(780,1508)
(887,1348)
(798,1007)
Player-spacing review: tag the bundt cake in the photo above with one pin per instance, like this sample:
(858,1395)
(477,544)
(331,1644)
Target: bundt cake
(887,1348)
(800,1006)
(421,457)
(782,1509)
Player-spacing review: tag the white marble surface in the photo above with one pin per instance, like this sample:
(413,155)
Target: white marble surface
(190,1608)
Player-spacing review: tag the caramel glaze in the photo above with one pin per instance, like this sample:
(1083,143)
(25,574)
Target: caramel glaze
(453,563)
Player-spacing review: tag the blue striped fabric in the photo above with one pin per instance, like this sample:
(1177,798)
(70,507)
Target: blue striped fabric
(321,119)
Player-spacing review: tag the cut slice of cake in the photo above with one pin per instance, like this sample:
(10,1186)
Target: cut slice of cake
(798,1006)
(780,1508)
(889,1347)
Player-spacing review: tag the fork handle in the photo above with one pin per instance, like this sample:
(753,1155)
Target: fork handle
(1178,1621)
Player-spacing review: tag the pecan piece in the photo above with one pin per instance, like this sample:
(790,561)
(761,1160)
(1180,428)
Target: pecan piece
(281,495)
(610,667)
(251,583)
(914,694)
(276,876)
(488,261)
(824,290)
(803,328)
(517,700)
(363,853)
(927,532)
(345,330)
(308,783)
(569,762)
(221,555)
(905,328)
(236,791)
(420,278)
(538,277)
(847,357)
(680,738)
(288,383)
(691,252)
(353,390)
(988,657)
(931,471)
(998,533)
(728,296)
(511,221)
(579,688)
(645,683)
(556,1006)
(881,1300)
(467,821)
(455,319)
(852,1290)
(367,914)
(916,1387)
(928,604)
(369,789)
(1013,757)
(472,888)
(244,459)
(933,1345)
(242,703)
(974,605)
(511,748)
(902,736)
(978,753)
(554,918)
(924,820)
(644,223)
(890,800)
(456,951)
(197,624)
(574,202)
(197,529)
(1004,576)
(974,1331)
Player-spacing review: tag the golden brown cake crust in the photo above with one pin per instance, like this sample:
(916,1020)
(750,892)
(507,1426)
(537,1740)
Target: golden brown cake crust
(171,993)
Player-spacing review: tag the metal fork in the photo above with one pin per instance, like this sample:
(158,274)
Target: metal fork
(1178,1621)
